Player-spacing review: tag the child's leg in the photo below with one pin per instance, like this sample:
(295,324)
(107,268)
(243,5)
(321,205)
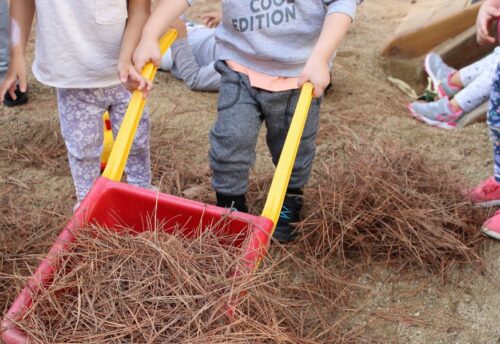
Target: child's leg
(138,168)
(476,92)
(80,113)
(279,109)
(234,135)
(4,38)
(470,73)
(494,122)
(489,195)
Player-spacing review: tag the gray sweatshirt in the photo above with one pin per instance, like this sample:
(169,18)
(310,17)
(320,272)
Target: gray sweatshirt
(274,37)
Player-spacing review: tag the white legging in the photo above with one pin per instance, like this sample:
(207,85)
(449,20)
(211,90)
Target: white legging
(477,79)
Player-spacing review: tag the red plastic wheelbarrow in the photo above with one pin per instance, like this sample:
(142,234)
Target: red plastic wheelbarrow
(114,205)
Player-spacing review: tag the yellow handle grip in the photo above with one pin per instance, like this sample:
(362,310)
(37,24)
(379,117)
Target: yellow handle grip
(283,171)
(121,148)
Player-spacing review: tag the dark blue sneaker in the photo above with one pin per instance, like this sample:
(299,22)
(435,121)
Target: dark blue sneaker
(21,98)
(290,213)
(234,202)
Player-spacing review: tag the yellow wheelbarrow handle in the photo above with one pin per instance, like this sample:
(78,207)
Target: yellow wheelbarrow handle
(121,148)
(283,171)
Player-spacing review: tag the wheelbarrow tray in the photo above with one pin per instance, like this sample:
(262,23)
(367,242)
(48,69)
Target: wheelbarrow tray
(116,206)
(119,206)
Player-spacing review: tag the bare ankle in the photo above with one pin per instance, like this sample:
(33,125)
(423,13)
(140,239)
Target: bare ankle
(455,80)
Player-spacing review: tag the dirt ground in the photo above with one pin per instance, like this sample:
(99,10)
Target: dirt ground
(396,306)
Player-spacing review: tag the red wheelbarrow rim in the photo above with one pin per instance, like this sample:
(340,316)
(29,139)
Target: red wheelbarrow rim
(254,251)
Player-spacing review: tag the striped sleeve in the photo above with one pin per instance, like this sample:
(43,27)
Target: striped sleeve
(343,6)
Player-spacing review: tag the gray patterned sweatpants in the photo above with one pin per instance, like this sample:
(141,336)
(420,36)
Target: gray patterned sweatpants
(80,113)
(241,111)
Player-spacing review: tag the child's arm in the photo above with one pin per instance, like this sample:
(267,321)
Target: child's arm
(489,11)
(162,18)
(317,68)
(21,14)
(138,14)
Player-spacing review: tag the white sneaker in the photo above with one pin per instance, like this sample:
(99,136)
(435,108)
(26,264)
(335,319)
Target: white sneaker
(438,114)
(440,74)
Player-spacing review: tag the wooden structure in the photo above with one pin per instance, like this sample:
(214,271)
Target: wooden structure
(446,27)
(429,25)
(476,115)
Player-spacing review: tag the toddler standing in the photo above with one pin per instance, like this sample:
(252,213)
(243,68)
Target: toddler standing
(79,47)
(267,50)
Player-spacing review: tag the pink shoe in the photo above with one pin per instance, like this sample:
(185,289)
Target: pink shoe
(438,114)
(487,194)
(491,227)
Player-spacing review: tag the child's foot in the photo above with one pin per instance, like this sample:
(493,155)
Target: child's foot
(436,68)
(438,114)
(440,74)
(234,202)
(447,89)
(290,213)
(486,194)
(491,227)
(21,98)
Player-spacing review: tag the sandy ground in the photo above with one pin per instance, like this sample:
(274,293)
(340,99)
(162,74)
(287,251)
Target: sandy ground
(398,306)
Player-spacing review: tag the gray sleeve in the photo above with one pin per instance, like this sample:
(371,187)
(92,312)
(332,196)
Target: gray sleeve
(4,38)
(196,77)
(343,6)
(190,2)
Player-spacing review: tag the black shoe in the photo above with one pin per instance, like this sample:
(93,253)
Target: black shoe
(290,213)
(235,202)
(21,98)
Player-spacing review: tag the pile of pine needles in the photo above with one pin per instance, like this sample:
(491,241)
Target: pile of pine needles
(159,288)
(391,204)
(373,202)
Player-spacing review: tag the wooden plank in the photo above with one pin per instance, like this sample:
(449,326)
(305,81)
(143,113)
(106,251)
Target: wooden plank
(418,41)
(463,49)
(424,11)
(457,52)
(477,115)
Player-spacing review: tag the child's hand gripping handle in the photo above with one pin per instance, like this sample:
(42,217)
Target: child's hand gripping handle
(121,148)
(283,171)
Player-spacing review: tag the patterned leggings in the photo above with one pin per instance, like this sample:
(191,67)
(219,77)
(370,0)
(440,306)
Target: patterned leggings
(494,121)
(80,113)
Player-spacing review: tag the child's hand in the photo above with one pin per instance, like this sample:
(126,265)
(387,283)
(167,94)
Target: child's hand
(489,11)
(147,51)
(132,80)
(317,71)
(180,26)
(211,19)
(15,74)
